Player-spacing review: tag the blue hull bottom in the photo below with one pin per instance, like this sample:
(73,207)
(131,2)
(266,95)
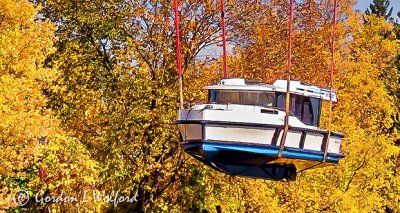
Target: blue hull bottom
(256,161)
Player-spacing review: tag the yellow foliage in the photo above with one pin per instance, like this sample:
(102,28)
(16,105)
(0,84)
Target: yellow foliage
(112,84)
(30,136)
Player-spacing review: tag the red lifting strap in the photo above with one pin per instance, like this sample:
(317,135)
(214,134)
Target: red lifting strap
(331,77)
(289,69)
(178,40)
(178,54)
(224,38)
(333,41)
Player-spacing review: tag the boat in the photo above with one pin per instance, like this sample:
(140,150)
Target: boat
(239,130)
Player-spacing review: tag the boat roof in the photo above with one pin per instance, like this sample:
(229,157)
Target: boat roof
(241,84)
(296,87)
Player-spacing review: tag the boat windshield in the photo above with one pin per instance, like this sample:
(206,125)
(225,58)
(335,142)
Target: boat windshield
(259,98)
(306,109)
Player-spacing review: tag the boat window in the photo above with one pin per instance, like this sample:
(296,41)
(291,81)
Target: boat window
(259,98)
(306,109)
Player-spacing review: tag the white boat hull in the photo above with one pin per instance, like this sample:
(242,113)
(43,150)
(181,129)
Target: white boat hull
(223,126)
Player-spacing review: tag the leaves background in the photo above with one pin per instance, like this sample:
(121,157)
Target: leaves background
(96,82)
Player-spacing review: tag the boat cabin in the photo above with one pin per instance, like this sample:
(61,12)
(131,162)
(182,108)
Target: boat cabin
(305,101)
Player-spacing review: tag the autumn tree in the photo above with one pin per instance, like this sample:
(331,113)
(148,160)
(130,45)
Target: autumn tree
(116,94)
(37,155)
(119,84)
(381,8)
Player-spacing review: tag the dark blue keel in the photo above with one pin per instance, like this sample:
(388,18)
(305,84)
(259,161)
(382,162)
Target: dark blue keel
(255,161)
